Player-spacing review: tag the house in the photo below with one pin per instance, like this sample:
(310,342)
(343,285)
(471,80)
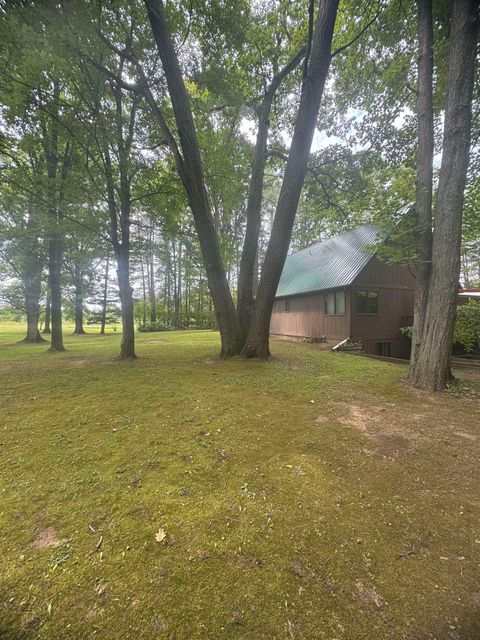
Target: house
(339,289)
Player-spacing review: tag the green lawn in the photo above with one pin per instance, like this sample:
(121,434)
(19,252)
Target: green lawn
(315,496)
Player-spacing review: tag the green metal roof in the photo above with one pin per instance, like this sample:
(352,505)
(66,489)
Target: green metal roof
(330,264)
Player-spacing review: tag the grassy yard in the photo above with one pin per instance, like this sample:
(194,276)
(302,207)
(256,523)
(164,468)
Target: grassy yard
(180,497)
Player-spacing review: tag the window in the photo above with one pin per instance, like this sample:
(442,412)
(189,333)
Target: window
(287,304)
(367,301)
(383,349)
(335,303)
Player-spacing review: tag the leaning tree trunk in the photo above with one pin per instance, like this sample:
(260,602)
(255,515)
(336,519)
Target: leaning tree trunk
(79,330)
(127,347)
(47,329)
(191,173)
(247,280)
(55,254)
(432,367)
(424,182)
(316,70)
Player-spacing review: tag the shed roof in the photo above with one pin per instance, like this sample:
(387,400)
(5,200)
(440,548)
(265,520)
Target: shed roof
(330,264)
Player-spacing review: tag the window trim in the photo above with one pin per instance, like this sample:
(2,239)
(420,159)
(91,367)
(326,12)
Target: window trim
(287,305)
(335,291)
(368,290)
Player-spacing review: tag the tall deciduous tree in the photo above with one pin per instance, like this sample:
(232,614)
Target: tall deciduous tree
(424,170)
(430,367)
(319,53)
(234,329)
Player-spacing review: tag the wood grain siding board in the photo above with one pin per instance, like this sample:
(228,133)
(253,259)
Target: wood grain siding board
(307,318)
(378,273)
(395,285)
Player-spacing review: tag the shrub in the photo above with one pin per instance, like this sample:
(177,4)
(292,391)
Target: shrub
(467,326)
(153,326)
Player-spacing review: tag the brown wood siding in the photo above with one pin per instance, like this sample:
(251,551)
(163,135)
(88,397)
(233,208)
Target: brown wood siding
(306,318)
(395,285)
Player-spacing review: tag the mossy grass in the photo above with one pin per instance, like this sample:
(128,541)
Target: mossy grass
(313,496)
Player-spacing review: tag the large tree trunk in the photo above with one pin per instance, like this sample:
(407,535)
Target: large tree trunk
(79,330)
(431,369)
(32,308)
(47,328)
(127,347)
(32,282)
(316,70)
(55,254)
(424,182)
(191,173)
(104,300)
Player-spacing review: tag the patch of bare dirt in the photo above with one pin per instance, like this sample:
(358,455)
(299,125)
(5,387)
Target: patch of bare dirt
(251,562)
(79,362)
(30,622)
(221,455)
(301,571)
(369,596)
(321,419)
(47,538)
(395,430)
(391,445)
(391,432)
(357,417)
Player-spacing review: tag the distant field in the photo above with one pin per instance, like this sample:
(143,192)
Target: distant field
(181,497)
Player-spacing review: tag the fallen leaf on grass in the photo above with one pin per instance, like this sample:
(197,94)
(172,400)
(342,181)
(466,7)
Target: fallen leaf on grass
(160,535)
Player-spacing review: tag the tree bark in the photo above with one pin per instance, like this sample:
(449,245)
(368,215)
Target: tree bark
(424,169)
(144,290)
(316,70)
(104,300)
(32,284)
(122,254)
(47,328)
(55,255)
(127,346)
(79,330)
(151,290)
(191,173)
(431,369)
(32,279)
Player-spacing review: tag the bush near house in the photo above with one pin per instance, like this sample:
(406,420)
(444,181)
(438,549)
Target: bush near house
(467,326)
